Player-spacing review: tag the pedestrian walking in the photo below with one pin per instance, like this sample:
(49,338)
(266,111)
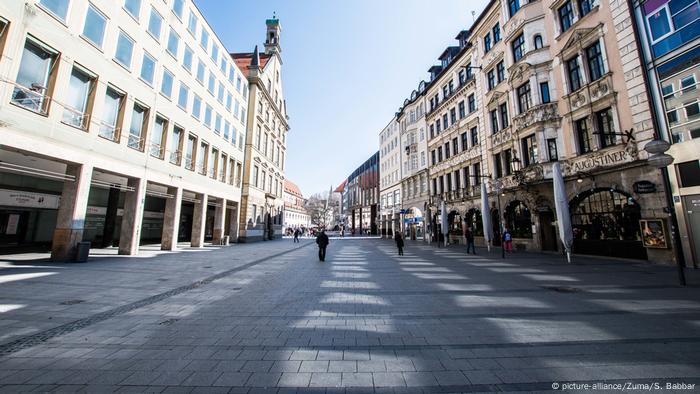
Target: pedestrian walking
(399,242)
(470,240)
(296,235)
(322,242)
(507,241)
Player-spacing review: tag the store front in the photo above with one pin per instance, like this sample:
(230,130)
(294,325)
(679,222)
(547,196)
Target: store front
(605,222)
(413,224)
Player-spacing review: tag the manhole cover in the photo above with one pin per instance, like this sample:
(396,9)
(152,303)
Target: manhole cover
(168,322)
(72,302)
(562,289)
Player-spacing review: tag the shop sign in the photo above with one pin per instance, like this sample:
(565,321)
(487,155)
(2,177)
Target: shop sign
(643,187)
(654,234)
(606,159)
(16,198)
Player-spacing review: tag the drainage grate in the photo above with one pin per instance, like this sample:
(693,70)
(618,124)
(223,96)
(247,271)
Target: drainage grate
(43,336)
(72,302)
(562,289)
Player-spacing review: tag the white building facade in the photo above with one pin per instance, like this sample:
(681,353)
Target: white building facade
(122,123)
(295,214)
(390,179)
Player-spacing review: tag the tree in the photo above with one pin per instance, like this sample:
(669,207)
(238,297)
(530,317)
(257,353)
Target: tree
(322,209)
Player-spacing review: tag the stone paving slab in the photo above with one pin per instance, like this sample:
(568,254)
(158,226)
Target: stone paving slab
(271,318)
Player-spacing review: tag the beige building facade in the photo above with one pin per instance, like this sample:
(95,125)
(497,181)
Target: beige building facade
(390,153)
(262,202)
(122,124)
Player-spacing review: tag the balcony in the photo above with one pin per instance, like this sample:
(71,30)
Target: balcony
(175,157)
(536,115)
(591,92)
(155,150)
(189,163)
(108,131)
(75,118)
(135,142)
(32,98)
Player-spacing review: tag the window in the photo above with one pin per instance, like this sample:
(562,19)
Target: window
(204,40)
(566,16)
(667,91)
(214,53)
(196,106)
(513,7)
(518,220)
(453,115)
(33,77)
(57,7)
(76,104)
(606,128)
(133,7)
(183,96)
(595,61)
(447,150)
(687,83)
(189,152)
(692,109)
(212,83)
(584,7)
(494,121)
(487,43)
(477,173)
(439,153)
(462,112)
(187,58)
(524,97)
(229,101)
(125,47)
(518,46)
(461,77)
(538,41)
(154,24)
(472,103)
(504,115)
(139,117)
(529,150)
(432,158)
(173,42)
(437,126)
(544,92)
(445,124)
(176,145)
(583,136)
(491,79)
(475,136)
(201,71)
(552,149)
(178,6)
(148,68)
(574,71)
(110,114)
(501,71)
(166,85)
(496,33)
(672,116)
(217,124)
(220,93)
(465,141)
(432,131)
(207,116)
(227,128)
(497,165)
(507,161)
(689,173)
(202,158)
(94,28)
(157,136)
(192,23)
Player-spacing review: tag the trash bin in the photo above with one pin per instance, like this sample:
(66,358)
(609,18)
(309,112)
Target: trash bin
(83,252)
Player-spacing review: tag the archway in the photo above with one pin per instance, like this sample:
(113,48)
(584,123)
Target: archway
(454,224)
(606,222)
(473,219)
(518,219)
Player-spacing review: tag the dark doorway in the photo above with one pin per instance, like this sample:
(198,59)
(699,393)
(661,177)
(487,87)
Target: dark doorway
(548,232)
(496,223)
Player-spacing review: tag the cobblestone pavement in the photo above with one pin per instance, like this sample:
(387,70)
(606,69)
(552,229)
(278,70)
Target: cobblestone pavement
(270,317)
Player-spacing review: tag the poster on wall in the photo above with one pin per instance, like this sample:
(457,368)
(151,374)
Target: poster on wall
(654,233)
(12,224)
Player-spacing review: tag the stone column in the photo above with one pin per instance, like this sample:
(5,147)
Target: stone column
(199,220)
(233,222)
(70,220)
(132,219)
(110,217)
(219,221)
(171,219)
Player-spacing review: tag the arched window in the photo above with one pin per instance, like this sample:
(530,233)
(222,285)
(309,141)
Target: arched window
(538,41)
(473,220)
(518,220)
(454,220)
(600,214)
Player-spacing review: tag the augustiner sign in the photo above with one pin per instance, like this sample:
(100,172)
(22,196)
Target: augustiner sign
(598,160)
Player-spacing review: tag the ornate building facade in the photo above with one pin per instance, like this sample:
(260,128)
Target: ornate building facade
(390,180)
(262,202)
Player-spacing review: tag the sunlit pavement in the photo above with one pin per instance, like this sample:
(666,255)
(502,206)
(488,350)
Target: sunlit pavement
(270,317)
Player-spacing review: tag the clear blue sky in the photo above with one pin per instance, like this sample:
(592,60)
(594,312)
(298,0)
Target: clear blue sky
(348,66)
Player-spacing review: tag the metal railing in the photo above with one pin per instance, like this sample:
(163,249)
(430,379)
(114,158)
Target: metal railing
(32,98)
(108,131)
(175,157)
(135,142)
(75,118)
(189,163)
(155,150)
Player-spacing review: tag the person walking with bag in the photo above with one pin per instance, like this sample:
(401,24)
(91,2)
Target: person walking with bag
(508,241)
(322,242)
(399,242)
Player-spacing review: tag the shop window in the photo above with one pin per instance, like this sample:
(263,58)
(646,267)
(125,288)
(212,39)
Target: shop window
(35,78)
(689,173)
(454,222)
(518,220)
(605,214)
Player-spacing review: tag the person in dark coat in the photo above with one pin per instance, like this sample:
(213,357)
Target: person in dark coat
(296,235)
(470,240)
(399,242)
(322,242)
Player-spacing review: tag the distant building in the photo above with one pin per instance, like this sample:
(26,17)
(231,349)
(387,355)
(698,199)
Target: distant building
(363,197)
(295,215)
(390,153)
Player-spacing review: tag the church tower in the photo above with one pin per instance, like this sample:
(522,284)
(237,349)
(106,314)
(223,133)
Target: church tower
(272,39)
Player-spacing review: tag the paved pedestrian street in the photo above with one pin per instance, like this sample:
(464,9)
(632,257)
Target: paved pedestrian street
(271,318)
